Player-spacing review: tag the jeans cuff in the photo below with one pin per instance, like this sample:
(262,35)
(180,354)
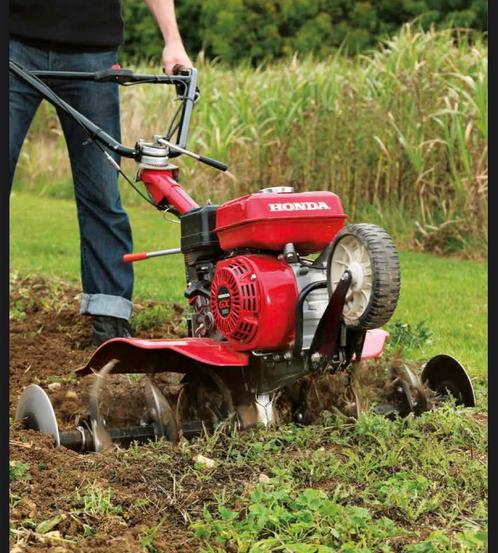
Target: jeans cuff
(105,304)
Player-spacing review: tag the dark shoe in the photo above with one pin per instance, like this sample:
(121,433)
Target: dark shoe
(105,327)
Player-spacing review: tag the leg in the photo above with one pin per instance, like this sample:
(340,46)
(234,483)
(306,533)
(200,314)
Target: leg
(105,232)
(23,101)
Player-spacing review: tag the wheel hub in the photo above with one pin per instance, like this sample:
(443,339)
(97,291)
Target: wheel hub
(352,255)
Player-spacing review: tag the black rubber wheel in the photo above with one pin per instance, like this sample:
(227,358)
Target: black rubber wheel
(370,254)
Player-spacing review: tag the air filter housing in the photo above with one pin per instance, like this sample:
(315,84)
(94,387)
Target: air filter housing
(253,302)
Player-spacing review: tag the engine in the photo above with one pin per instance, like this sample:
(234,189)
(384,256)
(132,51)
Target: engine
(254,298)
(241,286)
(253,301)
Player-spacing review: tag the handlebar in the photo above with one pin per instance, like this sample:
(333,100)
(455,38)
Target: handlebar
(185,81)
(113,74)
(179,69)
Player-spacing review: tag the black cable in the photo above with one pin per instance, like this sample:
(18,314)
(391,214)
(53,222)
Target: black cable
(129,181)
(171,131)
(107,155)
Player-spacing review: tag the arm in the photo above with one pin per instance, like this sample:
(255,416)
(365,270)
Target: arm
(174,51)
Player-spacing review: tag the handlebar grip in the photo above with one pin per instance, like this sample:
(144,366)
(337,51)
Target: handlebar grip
(132,257)
(213,163)
(179,69)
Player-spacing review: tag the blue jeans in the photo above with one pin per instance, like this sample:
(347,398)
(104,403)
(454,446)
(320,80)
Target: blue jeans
(105,233)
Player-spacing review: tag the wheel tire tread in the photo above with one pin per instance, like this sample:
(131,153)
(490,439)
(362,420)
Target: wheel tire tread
(386,275)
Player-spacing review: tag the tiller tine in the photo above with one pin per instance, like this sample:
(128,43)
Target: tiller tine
(443,379)
(38,414)
(448,379)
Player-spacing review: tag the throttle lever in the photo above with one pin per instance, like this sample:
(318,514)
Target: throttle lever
(203,159)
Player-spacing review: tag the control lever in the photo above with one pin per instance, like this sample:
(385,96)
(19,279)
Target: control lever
(139,256)
(203,159)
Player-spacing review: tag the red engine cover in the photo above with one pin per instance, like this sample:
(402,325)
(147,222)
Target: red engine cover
(253,302)
(268,221)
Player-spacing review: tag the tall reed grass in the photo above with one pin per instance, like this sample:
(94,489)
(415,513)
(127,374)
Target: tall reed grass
(399,133)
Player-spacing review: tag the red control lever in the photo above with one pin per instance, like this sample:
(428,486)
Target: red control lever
(132,257)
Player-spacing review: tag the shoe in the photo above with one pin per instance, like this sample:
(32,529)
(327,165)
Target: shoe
(104,328)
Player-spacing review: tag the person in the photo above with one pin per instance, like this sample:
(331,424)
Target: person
(84,35)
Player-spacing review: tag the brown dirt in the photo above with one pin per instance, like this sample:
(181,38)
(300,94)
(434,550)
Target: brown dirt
(48,341)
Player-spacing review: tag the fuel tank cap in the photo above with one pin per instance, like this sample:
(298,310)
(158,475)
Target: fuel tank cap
(277,190)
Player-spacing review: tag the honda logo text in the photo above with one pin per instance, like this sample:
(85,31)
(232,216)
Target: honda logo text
(299,206)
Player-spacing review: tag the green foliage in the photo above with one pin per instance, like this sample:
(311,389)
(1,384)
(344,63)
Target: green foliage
(372,486)
(19,471)
(400,134)
(469,541)
(303,521)
(151,317)
(258,30)
(147,539)
(97,501)
(404,335)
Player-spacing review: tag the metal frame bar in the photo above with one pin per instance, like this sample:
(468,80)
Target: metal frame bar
(189,97)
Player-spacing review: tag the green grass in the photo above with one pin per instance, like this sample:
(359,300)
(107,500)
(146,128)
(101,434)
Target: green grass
(372,485)
(449,295)
(44,239)
(364,487)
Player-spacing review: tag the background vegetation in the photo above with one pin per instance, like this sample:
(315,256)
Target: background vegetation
(400,133)
(258,30)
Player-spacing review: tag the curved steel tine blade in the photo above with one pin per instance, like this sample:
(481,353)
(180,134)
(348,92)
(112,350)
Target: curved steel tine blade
(36,409)
(352,397)
(446,376)
(407,396)
(356,405)
(101,437)
(160,411)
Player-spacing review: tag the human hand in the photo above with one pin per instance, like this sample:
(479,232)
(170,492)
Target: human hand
(175,54)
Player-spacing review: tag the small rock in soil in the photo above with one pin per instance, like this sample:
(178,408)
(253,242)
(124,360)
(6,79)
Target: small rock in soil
(205,461)
(264,479)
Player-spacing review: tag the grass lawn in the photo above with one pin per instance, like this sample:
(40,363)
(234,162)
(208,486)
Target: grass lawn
(448,295)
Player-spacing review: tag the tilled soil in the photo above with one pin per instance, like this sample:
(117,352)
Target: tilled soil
(48,341)
(147,509)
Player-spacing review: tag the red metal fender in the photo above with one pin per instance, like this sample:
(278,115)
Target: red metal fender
(375,341)
(142,356)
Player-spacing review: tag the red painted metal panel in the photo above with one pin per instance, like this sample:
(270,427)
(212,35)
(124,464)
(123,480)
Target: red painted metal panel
(141,356)
(268,221)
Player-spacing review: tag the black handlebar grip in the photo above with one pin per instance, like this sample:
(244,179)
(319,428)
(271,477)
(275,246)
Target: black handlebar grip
(180,70)
(213,163)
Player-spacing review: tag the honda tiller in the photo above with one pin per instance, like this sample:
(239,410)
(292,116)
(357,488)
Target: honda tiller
(278,285)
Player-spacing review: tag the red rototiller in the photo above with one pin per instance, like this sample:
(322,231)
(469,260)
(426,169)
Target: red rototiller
(278,286)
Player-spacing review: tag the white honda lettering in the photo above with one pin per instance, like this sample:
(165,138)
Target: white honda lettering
(299,206)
